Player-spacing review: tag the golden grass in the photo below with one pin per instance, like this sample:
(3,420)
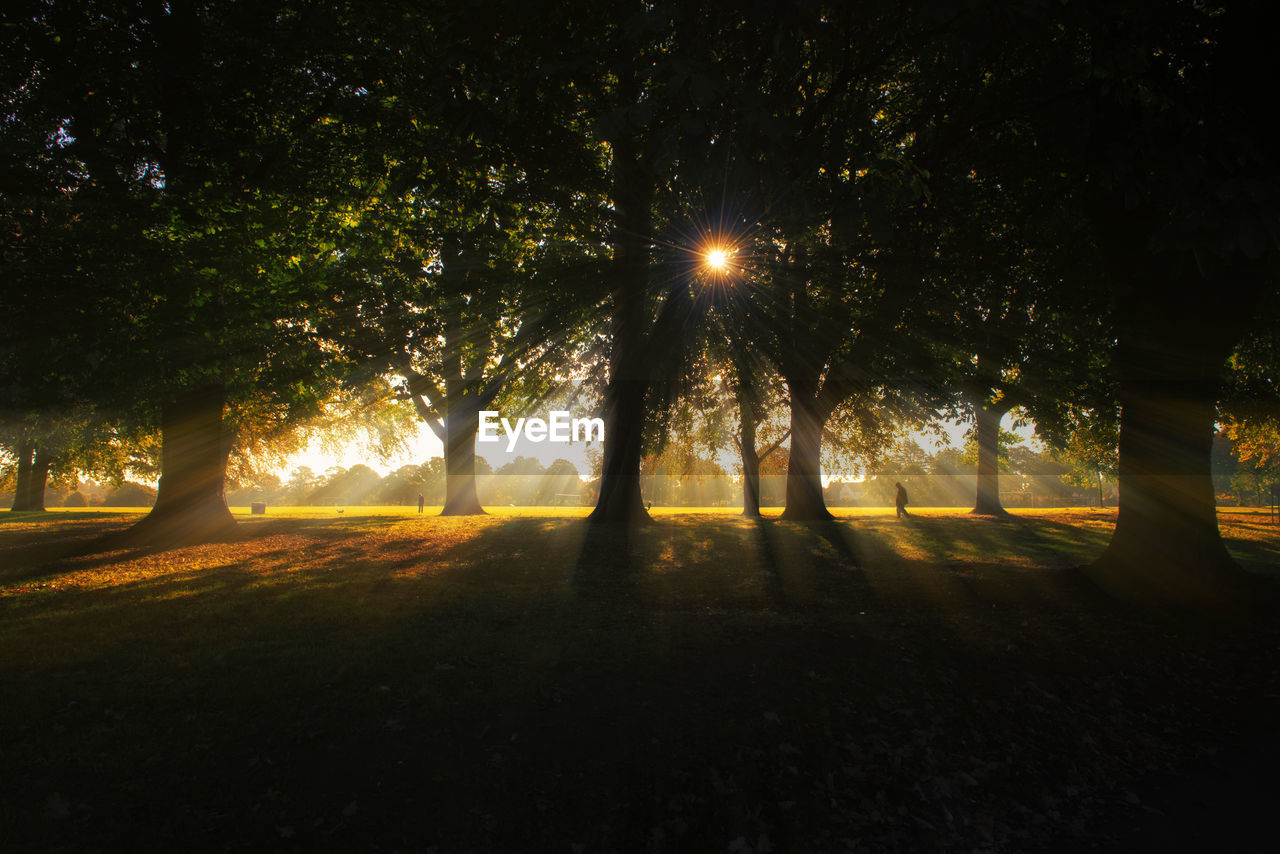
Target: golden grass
(700,553)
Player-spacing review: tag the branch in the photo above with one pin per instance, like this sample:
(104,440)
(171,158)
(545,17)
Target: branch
(775,445)
(664,333)
(422,391)
(491,388)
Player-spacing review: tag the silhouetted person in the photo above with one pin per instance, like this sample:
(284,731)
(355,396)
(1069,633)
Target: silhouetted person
(900,501)
(422,502)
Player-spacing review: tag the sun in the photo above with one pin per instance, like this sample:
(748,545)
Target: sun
(717,259)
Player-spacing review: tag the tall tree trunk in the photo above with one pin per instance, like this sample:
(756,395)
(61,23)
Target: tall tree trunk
(750,457)
(1179,317)
(804,465)
(620,499)
(1169,364)
(194,444)
(461,425)
(22,484)
(987,502)
(1166,539)
(39,479)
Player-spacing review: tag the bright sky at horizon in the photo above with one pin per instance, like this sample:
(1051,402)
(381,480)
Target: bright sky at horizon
(425,446)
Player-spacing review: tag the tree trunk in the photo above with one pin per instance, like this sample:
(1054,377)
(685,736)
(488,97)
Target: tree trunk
(1166,544)
(22,484)
(461,425)
(194,444)
(804,466)
(1180,311)
(987,502)
(620,499)
(39,480)
(1102,502)
(1166,537)
(750,457)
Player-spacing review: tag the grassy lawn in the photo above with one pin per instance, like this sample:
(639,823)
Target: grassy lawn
(377,680)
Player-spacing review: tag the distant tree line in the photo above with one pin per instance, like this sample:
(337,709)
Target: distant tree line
(523,481)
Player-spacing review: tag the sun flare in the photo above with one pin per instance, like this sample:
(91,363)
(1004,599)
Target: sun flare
(717,259)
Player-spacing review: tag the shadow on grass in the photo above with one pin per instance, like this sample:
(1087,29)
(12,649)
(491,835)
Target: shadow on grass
(605,564)
(474,684)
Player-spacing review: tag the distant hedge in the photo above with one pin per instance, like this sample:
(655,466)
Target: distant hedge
(131,495)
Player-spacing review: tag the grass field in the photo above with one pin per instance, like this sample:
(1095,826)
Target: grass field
(377,680)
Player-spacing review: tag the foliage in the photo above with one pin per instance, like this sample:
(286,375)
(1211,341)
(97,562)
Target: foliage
(1007,441)
(204,162)
(1250,410)
(130,495)
(1090,449)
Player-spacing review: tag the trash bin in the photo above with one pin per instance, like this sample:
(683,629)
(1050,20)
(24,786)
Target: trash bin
(258,508)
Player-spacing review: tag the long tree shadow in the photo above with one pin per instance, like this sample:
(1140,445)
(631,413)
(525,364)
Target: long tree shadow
(966,563)
(770,560)
(606,563)
(56,552)
(832,532)
(810,562)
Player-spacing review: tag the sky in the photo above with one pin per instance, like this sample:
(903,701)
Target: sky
(424,446)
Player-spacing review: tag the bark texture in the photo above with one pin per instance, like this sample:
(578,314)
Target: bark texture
(22,480)
(461,425)
(750,467)
(39,479)
(1167,543)
(629,358)
(1169,363)
(804,466)
(620,499)
(987,501)
(194,444)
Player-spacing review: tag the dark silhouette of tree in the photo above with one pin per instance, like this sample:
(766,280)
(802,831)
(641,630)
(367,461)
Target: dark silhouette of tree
(466,279)
(210,167)
(1183,197)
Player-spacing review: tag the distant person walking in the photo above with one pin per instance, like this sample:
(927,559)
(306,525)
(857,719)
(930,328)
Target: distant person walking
(422,502)
(900,501)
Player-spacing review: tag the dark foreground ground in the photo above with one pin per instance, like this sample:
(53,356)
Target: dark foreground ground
(391,683)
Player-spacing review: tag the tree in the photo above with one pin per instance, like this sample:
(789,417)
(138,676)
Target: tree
(754,398)
(1018,341)
(59,448)
(206,167)
(843,252)
(1090,446)
(1183,201)
(1143,107)
(675,94)
(1005,254)
(560,484)
(1250,409)
(464,282)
